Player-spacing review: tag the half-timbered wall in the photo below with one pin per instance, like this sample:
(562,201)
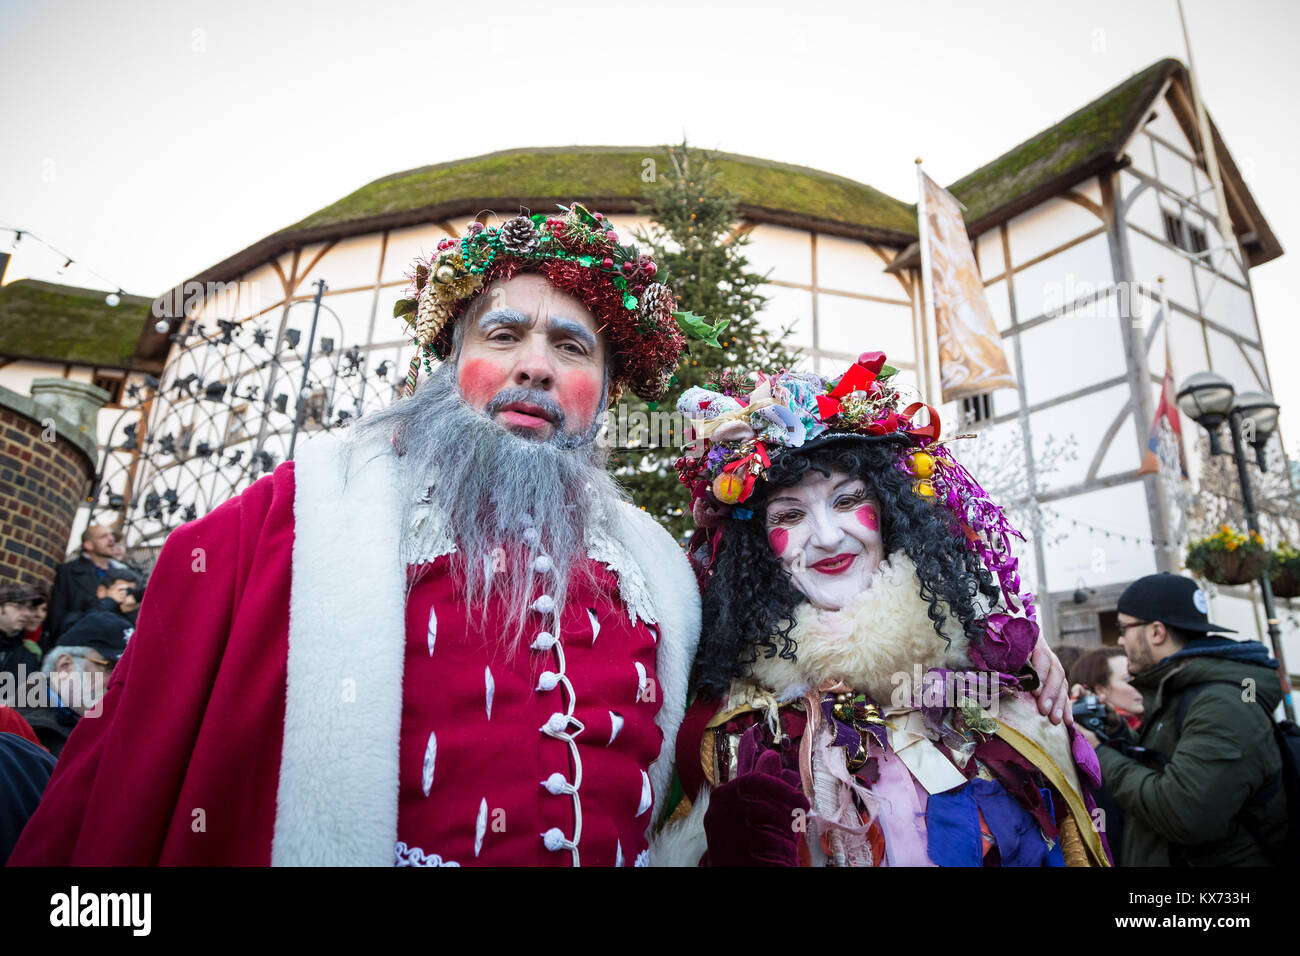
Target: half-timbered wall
(1072,287)
(1212,323)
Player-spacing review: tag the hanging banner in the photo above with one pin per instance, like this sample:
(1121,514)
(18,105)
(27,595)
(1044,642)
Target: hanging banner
(971,360)
(1165,439)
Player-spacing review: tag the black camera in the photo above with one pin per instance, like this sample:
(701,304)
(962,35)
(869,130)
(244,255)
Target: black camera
(1090,714)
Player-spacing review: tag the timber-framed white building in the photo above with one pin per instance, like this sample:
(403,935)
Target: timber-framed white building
(1071,230)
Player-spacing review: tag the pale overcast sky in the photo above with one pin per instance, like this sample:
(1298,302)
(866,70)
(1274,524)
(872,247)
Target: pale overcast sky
(152,139)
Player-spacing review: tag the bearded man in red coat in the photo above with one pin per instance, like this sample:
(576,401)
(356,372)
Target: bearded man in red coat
(444,640)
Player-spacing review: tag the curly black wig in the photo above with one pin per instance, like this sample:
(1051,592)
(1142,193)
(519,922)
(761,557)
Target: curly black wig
(750,601)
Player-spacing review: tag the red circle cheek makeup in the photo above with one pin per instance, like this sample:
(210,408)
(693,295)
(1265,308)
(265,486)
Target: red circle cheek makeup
(867,517)
(578,392)
(480,380)
(779,538)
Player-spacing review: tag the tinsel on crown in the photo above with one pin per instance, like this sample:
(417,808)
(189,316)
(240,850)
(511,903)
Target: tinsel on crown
(741,422)
(579,252)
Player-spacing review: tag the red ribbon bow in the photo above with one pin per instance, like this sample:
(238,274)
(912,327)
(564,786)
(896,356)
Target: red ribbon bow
(859,378)
(927,433)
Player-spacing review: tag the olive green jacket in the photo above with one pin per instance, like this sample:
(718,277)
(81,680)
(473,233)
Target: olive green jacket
(1222,779)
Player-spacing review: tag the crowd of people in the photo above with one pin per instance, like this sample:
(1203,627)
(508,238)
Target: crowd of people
(57,652)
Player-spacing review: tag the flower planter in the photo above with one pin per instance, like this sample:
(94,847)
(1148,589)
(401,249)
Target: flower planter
(1232,567)
(1285,581)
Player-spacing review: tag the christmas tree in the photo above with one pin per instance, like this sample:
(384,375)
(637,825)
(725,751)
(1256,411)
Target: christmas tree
(693,235)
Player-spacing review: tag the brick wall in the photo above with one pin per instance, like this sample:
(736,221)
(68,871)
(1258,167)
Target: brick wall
(41,485)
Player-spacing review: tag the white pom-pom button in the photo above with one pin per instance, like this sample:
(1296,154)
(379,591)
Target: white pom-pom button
(556,724)
(544,604)
(544,641)
(531,536)
(556,784)
(554,839)
(548,680)
(543,564)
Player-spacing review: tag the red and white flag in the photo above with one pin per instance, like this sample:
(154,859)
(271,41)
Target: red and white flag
(1165,440)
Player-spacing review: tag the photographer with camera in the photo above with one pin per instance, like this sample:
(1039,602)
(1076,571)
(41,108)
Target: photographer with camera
(1103,673)
(1104,703)
(117,599)
(1202,783)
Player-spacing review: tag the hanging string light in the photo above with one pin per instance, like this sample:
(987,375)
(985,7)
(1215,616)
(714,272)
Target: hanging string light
(1125,537)
(112,298)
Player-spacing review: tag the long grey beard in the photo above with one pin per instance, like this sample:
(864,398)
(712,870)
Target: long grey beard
(510,501)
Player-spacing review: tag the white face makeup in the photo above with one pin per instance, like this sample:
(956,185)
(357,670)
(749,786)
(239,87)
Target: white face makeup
(827,533)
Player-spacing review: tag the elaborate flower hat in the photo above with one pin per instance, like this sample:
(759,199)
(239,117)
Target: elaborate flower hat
(741,423)
(577,251)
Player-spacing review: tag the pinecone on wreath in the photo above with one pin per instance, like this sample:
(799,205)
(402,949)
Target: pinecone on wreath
(430,315)
(519,236)
(657,301)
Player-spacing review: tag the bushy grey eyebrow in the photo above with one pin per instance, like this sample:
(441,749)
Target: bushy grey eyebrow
(513,318)
(573,328)
(503,317)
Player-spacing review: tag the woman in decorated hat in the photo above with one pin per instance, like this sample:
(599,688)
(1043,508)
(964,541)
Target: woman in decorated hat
(864,686)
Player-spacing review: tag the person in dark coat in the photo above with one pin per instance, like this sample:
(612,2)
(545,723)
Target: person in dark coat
(1201,784)
(76,581)
(18,655)
(118,594)
(24,771)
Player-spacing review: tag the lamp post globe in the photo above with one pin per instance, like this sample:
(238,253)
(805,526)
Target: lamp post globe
(1258,414)
(1206,398)
(1258,407)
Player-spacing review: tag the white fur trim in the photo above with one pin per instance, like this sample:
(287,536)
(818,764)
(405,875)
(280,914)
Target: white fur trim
(338,785)
(683,842)
(671,586)
(883,631)
(337,798)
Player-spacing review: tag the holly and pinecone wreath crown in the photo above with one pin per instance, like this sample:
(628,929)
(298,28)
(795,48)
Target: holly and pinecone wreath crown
(579,252)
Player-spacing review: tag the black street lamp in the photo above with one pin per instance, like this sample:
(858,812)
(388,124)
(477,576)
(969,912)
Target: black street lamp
(1209,400)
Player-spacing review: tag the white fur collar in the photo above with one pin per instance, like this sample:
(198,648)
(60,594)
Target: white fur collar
(882,632)
(337,798)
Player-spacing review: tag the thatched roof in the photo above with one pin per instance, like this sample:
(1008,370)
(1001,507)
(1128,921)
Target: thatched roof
(1077,147)
(608,178)
(58,323)
(1092,140)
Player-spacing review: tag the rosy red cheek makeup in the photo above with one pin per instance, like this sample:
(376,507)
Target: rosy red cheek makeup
(868,518)
(778,538)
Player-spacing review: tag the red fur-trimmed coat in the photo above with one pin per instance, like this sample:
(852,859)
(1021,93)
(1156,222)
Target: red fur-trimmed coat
(273,705)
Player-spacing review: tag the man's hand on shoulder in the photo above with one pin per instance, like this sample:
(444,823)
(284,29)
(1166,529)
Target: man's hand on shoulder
(1053,692)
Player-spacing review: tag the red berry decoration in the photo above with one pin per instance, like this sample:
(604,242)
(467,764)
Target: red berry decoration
(475,228)
(598,215)
(445,244)
(649,268)
(607,263)
(612,236)
(629,268)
